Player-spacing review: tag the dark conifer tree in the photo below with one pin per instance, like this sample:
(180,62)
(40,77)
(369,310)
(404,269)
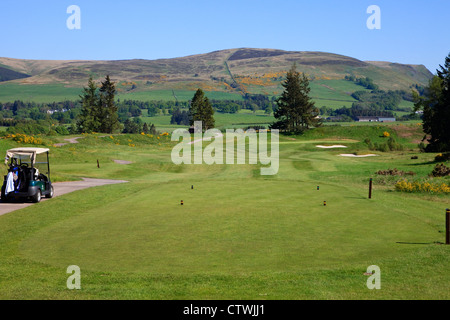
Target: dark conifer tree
(145,128)
(435,104)
(107,108)
(88,120)
(201,109)
(296,111)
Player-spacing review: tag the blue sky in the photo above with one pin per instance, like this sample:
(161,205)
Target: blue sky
(411,31)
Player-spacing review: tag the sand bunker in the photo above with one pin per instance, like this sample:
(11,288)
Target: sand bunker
(357,156)
(329,147)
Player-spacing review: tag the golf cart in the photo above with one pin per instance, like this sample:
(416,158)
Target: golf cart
(24,179)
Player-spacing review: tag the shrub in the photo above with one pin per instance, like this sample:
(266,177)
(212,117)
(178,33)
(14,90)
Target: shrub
(390,145)
(416,186)
(440,170)
(394,145)
(442,157)
(394,172)
(62,130)
(23,138)
(422,146)
(28,128)
(52,132)
(383,147)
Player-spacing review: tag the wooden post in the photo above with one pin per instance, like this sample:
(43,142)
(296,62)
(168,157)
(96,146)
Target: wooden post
(98,164)
(447,226)
(370,188)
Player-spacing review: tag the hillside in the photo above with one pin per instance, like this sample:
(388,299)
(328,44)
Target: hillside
(7,74)
(226,73)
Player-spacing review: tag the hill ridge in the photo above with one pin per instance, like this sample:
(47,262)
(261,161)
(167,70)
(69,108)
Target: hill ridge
(237,71)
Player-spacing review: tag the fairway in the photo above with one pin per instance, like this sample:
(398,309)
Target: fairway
(238,235)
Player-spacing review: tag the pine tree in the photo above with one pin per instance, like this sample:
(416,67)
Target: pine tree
(153,129)
(107,108)
(296,112)
(133,125)
(145,128)
(88,121)
(98,112)
(201,109)
(128,126)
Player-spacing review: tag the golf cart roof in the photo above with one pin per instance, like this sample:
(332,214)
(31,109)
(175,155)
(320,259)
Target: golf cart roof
(24,153)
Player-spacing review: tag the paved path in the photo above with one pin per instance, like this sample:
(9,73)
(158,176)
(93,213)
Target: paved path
(60,189)
(70,140)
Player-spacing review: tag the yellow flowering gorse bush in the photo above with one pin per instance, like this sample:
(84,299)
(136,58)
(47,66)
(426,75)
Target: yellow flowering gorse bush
(427,187)
(23,138)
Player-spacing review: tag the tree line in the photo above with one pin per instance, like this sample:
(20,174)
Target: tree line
(294,110)
(63,112)
(385,100)
(350,114)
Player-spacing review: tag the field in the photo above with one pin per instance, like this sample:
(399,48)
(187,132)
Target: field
(323,91)
(9,92)
(223,120)
(330,93)
(239,235)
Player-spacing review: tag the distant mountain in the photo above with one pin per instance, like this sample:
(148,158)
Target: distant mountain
(234,70)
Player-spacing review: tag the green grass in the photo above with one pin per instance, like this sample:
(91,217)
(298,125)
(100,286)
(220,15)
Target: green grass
(181,95)
(239,235)
(241,119)
(10,92)
(42,93)
(334,89)
(331,93)
(406,104)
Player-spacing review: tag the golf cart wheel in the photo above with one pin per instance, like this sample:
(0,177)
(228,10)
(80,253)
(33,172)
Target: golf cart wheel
(4,197)
(50,194)
(37,197)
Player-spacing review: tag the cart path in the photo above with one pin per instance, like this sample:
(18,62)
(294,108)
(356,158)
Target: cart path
(217,135)
(70,140)
(60,188)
